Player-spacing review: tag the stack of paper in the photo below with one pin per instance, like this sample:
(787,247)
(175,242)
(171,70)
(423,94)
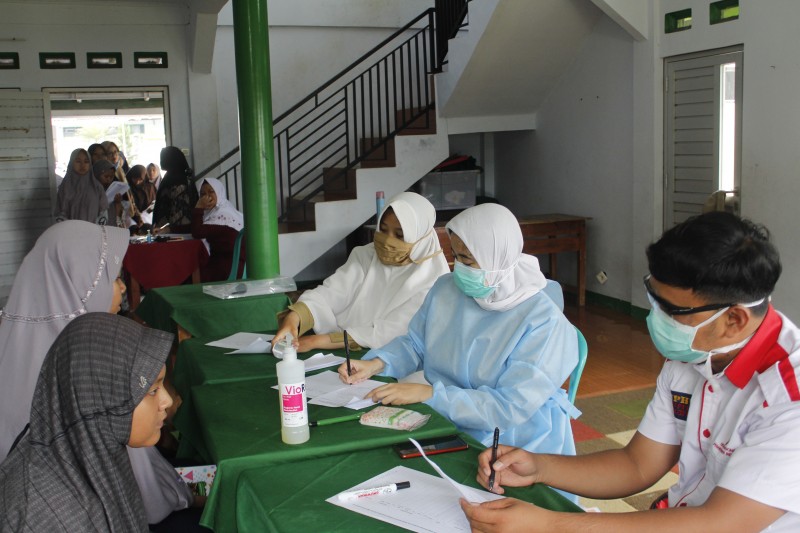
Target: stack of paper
(320,360)
(430,504)
(116,187)
(245,343)
(327,390)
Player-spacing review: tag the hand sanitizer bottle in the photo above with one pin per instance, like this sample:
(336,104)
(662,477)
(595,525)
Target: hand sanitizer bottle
(292,396)
(379,203)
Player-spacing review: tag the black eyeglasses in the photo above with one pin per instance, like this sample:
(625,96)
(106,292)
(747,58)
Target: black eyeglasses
(672,309)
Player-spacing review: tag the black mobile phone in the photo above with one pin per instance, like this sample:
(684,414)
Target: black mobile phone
(450,443)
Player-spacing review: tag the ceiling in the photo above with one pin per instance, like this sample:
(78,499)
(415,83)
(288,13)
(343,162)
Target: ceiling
(522,53)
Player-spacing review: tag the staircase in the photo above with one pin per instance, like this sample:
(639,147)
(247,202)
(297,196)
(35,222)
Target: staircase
(373,127)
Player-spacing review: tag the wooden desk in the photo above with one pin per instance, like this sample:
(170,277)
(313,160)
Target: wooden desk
(544,234)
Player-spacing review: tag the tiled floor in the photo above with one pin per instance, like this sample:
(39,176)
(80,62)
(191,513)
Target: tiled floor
(617,384)
(621,356)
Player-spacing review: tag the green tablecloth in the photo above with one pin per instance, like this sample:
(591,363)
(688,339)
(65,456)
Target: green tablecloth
(291,497)
(198,364)
(205,316)
(240,425)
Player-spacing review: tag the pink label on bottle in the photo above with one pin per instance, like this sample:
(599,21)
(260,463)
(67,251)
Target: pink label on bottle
(293,400)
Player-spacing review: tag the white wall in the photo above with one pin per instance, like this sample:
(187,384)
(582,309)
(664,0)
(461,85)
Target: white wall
(771,121)
(603,156)
(309,42)
(578,161)
(301,60)
(52,28)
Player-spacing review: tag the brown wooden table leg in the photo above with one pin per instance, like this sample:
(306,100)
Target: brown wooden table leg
(582,269)
(135,294)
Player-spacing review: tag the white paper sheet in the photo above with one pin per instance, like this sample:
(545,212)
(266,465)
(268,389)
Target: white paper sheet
(116,187)
(245,343)
(429,505)
(322,360)
(327,390)
(468,493)
(350,396)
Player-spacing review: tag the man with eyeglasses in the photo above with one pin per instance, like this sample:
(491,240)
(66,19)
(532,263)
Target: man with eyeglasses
(726,407)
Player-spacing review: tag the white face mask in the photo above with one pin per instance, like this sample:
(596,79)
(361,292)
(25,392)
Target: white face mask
(674,340)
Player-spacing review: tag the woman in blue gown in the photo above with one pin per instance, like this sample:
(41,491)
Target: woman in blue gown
(493,347)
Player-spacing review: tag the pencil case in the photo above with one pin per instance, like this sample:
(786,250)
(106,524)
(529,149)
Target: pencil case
(394,418)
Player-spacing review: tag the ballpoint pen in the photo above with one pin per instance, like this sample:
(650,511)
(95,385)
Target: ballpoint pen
(495,443)
(347,351)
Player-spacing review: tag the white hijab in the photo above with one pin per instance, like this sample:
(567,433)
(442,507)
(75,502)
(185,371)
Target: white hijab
(491,232)
(375,302)
(222,214)
(417,217)
(70,271)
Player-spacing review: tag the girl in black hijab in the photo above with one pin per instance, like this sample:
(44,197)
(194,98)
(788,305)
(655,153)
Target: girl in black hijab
(100,389)
(177,194)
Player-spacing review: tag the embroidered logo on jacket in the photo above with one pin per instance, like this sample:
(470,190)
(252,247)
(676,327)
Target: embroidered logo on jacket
(723,449)
(680,404)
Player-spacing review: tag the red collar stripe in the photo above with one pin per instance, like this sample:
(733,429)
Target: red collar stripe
(762,352)
(789,379)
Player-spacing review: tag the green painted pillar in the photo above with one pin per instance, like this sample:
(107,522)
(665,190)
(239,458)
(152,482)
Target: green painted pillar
(251,42)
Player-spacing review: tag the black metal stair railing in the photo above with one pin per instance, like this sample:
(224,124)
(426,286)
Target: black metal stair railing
(354,115)
(450,16)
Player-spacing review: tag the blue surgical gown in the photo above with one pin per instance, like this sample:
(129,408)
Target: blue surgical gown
(492,368)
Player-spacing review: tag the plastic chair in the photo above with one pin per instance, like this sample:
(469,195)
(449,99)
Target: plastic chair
(237,246)
(575,377)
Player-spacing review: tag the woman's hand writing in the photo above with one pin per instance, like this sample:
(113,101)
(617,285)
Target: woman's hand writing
(400,393)
(360,370)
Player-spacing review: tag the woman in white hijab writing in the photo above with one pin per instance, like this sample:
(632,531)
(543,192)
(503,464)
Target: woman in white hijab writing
(73,269)
(380,287)
(494,347)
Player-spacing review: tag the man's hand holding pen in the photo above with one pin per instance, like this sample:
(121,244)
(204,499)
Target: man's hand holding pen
(514,467)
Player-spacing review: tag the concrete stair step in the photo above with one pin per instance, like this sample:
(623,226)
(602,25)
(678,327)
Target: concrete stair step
(339,184)
(297,210)
(382,157)
(425,124)
(296,227)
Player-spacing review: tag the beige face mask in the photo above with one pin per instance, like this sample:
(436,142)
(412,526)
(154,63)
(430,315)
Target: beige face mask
(392,251)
